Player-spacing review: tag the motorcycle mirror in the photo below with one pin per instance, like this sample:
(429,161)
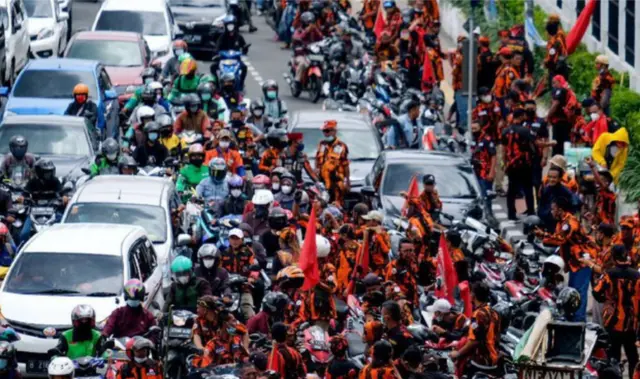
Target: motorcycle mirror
(369,191)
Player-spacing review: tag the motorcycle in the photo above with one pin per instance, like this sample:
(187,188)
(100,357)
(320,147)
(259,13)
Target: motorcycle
(89,368)
(176,342)
(312,79)
(314,347)
(229,62)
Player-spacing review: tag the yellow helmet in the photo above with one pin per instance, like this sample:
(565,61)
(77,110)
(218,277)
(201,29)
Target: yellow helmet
(188,66)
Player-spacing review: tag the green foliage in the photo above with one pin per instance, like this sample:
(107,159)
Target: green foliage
(625,105)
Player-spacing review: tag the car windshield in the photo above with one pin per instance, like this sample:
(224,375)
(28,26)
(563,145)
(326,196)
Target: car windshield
(361,142)
(47,139)
(451,181)
(52,84)
(39,8)
(151,218)
(109,53)
(195,3)
(145,23)
(66,274)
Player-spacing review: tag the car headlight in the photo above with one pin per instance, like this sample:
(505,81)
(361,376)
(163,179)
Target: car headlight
(45,33)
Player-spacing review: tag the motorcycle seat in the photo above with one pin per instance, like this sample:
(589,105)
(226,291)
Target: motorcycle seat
(356,345)
(341,307)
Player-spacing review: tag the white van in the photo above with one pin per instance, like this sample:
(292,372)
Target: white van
(16,30)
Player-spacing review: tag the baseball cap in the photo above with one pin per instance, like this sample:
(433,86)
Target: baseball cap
(441,305)
(236,232)
(429,179)
(374,215)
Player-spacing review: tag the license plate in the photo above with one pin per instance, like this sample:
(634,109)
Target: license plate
(37,366)
(548,374)
(42,211)
(316,57)
(180,333)
(192,38)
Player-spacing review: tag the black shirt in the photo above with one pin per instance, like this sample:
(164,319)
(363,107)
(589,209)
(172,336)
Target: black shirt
(340,368)
(153,155)
(400,339)
(44,189)
(231,42)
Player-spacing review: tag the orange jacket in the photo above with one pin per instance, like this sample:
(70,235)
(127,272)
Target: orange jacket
(573,242)
(556,48)
(505,75)
(231,157)
(271,158)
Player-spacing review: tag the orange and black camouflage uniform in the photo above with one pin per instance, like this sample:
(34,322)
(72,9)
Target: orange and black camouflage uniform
(348,254)
(489,116)
(309,310)
(332,161)
(455,325)
(606,206)
(483,149)
(486,65)
(405,277)
(569,182)
(457,61)
(204,329)
(431,12)
(431,201)
(386,52)
(435,57)
(573,242)
(244,137)
(394,24)
(237,261)
(518,161)
(132,370)
(287,362)
(505,75)
(485,330)
(271,158)
(226,349)
(383,372)
(369,14)
(380,245)
(604,81)
(557,45)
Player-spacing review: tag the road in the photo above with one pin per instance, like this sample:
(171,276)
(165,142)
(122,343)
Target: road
(265,59)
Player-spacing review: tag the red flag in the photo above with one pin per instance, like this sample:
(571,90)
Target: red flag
(428,78)
(274,362)
(446,274)
(412,192)
(580,27)
(309,255)
(362,266)
(381,23)
(465,295)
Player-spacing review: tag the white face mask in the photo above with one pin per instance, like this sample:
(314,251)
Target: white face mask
(286,190)
(183,279)
(208,263)
(179,52)
(275,186)
(485,99)
(594,116)
(236,192)
(231,27)
(225,144)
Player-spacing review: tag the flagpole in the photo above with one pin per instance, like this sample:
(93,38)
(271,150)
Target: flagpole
(471,73)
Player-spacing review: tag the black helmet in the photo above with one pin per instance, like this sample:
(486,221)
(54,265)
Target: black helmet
(110,149)
(568,302)
(227,78)
(148,96)
(337,52)
(165,121)
(270,85)
(275,302)
(408,104)
(148,75)
(277,138)
(18,146)
(308,18)
(151,127)
(257,105)
(45,169)
(127,162)
(277,219)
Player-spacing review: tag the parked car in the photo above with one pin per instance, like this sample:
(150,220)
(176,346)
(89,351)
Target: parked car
(123,54)
(455,181)
(85,264)
(196,20)
(151,18)
(129,200)
(47,28)
(16,31)
(63,139)
(45,86)
(66,6)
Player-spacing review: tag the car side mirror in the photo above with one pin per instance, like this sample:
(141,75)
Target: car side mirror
(369,191)
(110,94)
(4,91)
(63,17)
(183,240)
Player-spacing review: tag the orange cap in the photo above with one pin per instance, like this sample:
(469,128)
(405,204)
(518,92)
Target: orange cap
(329,124)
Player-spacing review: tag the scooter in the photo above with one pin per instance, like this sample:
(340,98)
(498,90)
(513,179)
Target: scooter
(177,344)
(315,349)
(312,79)
(229,62)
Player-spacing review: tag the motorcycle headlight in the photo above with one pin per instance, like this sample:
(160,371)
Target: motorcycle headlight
(179,320)
(45,33)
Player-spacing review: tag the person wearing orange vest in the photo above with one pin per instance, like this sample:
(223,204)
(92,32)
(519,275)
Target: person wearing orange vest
(272,157)
(602,85)
(563,112)
(556,47)
(231,157)
(140,366)
(368,16)
(505,75)
(332,163)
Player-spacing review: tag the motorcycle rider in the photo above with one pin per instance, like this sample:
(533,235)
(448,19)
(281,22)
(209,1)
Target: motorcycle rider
(257,116)
(272,157)
(403,271)
(107,161)
(194,172)
(285,360)
(340,367)
(295,159)
(175,146)
(148,76)
(148,98)
(231,39)
(61,368)
(135,133)
(397,333)
(430,198)
(82,340)
(128,166)
(332,163)
(258,217)
(275,107)
(207,323)
(212,104)
(215,187)
(132,319)
(83,106)
(231,97)
(229,345)
(209,269)
(139,364)
(273,305)
(447,323)
(287,191)
(187,287)
(187,81)
(172,66)
(236,201)
(152,153)
(237,258)
(8,361)
(309,33)
(231,157)
(381,365)
(193,118)
(18,159)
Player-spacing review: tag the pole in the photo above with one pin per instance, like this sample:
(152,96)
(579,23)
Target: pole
(471,73)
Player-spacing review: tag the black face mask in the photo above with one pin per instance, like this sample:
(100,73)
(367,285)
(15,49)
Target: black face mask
(531,113)
(476,134)
(236,123)
(196,162)
(552,28)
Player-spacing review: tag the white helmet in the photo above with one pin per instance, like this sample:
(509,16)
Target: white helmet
(61,366)
(323,246)
(207,250)
(155,86)
(145,111)
(262,197)
(555,260)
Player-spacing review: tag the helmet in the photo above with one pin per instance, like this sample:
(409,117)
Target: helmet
(155,86)
(261,181)
(290,277)
(45,169)
(191,100)
(278,171)
(289,176)
(142,343)
(257,104)
(110,149)
(127,162)
(61,366)
(555,260)
(164,120)
(389,4)
(217,169)
(277,138)
(323,245)
(339,345)
(148,75)
(227,79)
(229,19)
(181,265)
(148,95)
(83,312)
(134,290)
(146,111)
(179,47)
(208,78)
(568,301)
(262,197)
(275,302)
(329,125)
(308,18)
(602,59)
(407,15)
(80,89)
(208,250)
(277,219)
(235,181)
(8,353)
(183,57)
(188,66)
(18,146)
(270,86)
(151,127)
(205,90)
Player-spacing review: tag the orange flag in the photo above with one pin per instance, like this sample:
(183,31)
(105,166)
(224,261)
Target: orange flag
(309,255)
(428,78)
(381,23)
(362,262)
(446,273)
(412,192)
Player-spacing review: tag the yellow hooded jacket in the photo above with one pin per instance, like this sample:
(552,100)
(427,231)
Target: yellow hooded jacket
(599,151)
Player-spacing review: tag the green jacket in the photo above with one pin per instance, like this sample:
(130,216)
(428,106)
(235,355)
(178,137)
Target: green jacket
(134,100)
(79,349)
(186,297)
(101,166)
(191,176)
(183,85)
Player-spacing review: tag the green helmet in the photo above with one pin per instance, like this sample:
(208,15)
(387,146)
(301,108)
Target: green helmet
(208,78)
(181,264)
(184,56)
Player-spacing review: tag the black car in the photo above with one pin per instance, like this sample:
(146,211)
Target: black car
(197,22)
(361,138)
(455,181)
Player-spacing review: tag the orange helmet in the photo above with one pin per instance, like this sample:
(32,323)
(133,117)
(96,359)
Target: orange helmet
(80,89)
(329,125)
(179,44)
(188,66)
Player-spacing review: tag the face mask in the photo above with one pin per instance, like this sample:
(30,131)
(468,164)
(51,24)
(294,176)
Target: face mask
(225,144)
(112,157)
(140,360)
(262,212)
(153,136)
(257,113)
(231,27)
(406,20)
(552,28)
(236,123)
(206,97)
(594,116)
(148,80)
(178,52)
(236,193)
(330,138)
(81,99)
(485,99)
(476,134)
(133,303)
(183,279)
(271,95)
(193,109)
(208,263)
(275,186)
(531,113)
(286,189)
(196,162)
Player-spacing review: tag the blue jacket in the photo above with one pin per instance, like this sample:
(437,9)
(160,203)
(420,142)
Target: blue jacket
(548,195)
(5,256)
(391,140)
(209,190)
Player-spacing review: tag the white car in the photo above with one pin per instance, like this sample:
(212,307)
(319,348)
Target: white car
(47,28)
(151,18)
(68,265)
(16,30)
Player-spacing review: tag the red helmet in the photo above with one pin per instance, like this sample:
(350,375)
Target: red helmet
(261,181)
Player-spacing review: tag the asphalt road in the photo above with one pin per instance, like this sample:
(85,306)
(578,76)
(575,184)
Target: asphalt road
(265,59)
